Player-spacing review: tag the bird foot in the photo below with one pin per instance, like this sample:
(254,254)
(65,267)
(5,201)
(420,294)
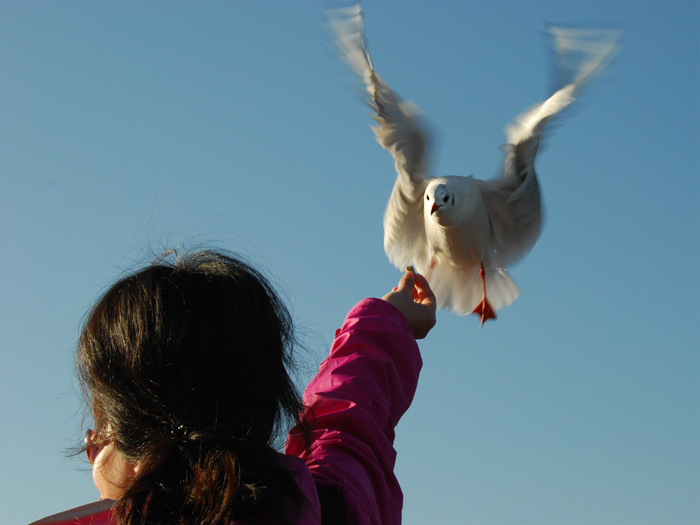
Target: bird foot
(484,311)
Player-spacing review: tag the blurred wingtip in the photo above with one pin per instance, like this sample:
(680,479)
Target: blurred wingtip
(582,53)
(345,26)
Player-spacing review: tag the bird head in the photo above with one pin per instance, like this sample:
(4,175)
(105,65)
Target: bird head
(439,201)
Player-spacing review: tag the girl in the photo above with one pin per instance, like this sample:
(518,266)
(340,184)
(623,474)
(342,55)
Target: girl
(185,365)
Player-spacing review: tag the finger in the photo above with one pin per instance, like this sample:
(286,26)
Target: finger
(415,292)
(410,271)
(406,282)
(423,288)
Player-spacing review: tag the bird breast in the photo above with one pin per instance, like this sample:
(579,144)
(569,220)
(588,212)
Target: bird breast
(458,228)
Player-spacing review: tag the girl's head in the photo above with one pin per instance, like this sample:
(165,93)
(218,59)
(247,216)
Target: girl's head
(185,367)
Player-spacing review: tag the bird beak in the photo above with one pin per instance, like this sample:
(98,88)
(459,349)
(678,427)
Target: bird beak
(434,208)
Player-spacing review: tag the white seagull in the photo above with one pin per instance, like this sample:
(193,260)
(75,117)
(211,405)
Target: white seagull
(463,232)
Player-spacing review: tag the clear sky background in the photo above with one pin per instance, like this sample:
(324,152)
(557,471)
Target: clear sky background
(127,127)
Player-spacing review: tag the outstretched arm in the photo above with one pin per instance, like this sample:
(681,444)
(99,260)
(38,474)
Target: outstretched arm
(358,396)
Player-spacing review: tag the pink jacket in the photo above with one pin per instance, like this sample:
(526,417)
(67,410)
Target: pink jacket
(361,391)
(358,396)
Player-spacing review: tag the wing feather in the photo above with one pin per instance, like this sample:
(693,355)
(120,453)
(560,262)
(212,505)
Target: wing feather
(513,201)
(400,132)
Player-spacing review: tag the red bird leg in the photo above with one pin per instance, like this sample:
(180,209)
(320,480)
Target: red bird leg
(483,309)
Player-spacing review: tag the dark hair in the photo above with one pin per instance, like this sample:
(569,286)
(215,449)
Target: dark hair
(185,366)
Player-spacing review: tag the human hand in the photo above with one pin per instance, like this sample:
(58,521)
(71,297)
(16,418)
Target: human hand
(416,301)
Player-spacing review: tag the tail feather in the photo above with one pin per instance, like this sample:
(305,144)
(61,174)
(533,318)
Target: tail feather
(459,288)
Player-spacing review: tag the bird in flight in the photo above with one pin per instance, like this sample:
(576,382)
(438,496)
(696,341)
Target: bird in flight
(461,232)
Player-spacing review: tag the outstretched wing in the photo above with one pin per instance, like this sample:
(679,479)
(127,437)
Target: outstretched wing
(513,201)
(399,131)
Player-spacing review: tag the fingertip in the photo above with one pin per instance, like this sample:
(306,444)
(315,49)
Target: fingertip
(422,282)
(408,280)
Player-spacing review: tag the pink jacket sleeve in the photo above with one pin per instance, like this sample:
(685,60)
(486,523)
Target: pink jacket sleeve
(358,396)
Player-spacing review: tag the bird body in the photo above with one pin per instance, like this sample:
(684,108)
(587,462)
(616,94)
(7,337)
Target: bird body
(456,210)
(462,232)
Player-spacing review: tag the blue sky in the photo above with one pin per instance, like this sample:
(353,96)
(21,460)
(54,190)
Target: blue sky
(126,127)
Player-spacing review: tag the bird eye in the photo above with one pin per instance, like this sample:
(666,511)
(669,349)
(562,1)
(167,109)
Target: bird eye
(427,197)
(446,198)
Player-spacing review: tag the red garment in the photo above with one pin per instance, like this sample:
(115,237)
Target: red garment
(358,396)
(100,512)
(96,513)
